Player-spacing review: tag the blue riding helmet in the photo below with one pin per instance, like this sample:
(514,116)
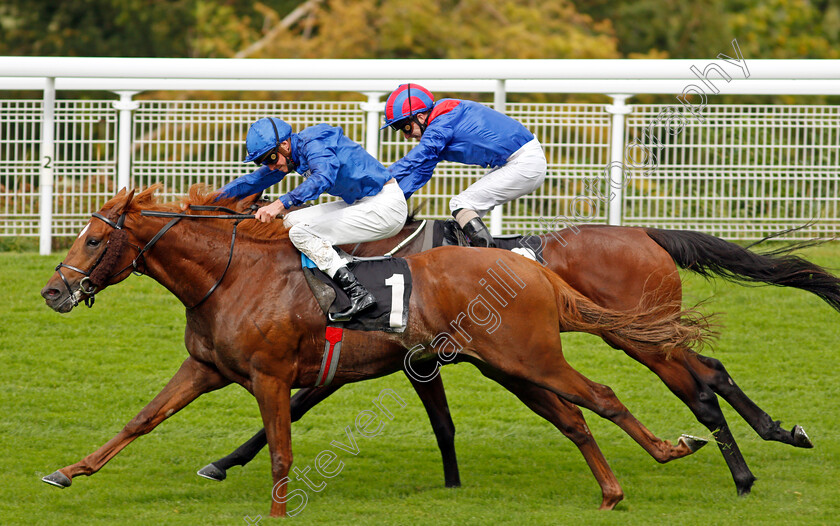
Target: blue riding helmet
(265,135)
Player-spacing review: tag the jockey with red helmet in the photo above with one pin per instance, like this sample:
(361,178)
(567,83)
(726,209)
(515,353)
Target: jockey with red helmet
(470,133)
(372,206)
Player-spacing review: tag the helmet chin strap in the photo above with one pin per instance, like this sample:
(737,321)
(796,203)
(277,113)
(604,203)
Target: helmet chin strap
(413,116)
(290,163)
(422,125)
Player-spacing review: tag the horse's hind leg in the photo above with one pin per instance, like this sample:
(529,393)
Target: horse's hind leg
(701,400)
(431,393)
(569,420)
(547,368)
(192,380)
(217,470)
(433,396)
(714,374)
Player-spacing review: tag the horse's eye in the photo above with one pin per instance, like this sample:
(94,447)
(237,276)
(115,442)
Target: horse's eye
(93,242)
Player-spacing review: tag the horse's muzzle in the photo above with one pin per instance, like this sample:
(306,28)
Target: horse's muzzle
(58,300)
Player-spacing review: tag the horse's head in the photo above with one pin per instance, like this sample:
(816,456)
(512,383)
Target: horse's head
(96,259)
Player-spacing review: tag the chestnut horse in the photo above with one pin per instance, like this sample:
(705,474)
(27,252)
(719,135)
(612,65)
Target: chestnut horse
(271,345)
(615,267)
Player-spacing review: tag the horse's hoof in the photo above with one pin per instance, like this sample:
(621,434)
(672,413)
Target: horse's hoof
(800,438)
(694,443)
(210,471)
(744,487)
(609,503)
(58,479)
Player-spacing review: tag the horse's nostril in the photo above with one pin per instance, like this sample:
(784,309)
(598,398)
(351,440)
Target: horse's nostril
(49,293)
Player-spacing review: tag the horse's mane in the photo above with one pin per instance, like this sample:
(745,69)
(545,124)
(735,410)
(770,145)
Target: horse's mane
(414,212)
(202,194)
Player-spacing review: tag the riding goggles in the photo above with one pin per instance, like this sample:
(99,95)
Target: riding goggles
(266,158)
(403,126)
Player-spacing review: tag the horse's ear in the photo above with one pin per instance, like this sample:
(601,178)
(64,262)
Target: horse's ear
(122,202)
(146,197)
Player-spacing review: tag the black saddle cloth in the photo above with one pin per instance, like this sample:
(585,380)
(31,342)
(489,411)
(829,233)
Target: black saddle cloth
(387,278)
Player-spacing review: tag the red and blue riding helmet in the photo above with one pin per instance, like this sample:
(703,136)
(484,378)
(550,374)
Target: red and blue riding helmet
(407,101)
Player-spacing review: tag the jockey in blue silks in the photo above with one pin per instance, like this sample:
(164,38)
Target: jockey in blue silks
(372,207)
(470,133)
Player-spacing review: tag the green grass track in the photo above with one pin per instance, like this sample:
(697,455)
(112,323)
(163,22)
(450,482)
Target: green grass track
(68,383)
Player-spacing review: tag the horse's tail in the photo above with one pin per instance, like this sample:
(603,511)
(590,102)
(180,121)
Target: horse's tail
(709,255)
(655,326)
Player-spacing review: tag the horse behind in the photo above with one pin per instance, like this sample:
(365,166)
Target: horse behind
(618,267)
(268,345)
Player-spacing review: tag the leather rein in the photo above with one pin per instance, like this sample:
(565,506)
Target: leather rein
(89,287)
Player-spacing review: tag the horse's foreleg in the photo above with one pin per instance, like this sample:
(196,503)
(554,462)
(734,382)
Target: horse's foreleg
(714,374)
(570,421)
(433,396)
(302,401)
(192,380)
(701,400)
(273,396)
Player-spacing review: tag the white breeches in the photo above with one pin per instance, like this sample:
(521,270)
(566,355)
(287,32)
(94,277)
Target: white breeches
(314,230)
(523,173)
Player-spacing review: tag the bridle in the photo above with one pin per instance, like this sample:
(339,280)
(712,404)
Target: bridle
(89,284)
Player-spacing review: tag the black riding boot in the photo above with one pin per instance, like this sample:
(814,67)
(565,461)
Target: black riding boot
(360,298)
(478,234)
(453,234)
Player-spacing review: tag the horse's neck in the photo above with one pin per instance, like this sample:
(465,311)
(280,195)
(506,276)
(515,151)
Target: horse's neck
(189,260)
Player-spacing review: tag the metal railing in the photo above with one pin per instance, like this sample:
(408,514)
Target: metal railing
(738,171)
(744,172)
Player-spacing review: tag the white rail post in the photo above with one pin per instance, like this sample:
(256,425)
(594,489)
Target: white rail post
(499,103)
(616,184)
(125,105)
(47,180)
(373,108)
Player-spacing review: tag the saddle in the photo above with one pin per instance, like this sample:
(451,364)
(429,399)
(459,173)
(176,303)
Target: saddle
(449,233)
(387,278)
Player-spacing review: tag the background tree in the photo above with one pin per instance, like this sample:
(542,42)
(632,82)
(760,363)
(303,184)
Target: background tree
(787,28)
(442,29)
(698,29)
(429,29)
(131,28)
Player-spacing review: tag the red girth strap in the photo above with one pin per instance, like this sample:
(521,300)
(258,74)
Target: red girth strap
(332,351)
